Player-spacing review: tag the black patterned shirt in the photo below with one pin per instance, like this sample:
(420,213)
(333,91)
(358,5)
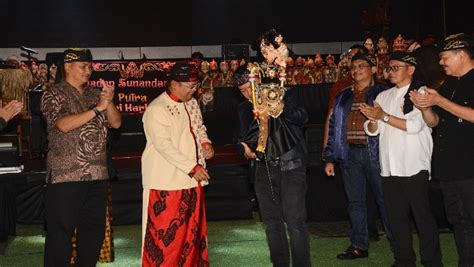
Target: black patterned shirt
(80,154)
(453,153)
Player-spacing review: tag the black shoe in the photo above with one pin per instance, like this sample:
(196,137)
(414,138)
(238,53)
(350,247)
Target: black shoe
(3,243)
(254,204)
(353,253)
(374,238)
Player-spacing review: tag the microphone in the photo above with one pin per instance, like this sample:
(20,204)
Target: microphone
(29,50)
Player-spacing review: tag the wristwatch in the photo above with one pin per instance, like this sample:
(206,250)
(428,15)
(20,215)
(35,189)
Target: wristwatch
(386,118)
(96,111)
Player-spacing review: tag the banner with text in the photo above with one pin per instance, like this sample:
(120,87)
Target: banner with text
(136,83)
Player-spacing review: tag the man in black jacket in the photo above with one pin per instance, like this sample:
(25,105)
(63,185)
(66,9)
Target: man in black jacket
(280,175)
(280,186)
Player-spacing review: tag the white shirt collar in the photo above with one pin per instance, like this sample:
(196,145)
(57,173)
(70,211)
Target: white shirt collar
(402,90)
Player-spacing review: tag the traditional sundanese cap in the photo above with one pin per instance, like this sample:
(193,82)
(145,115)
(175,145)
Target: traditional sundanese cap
(457,41)
(367,57)
(404,57)
(183,71)
(77,55)
(241,75)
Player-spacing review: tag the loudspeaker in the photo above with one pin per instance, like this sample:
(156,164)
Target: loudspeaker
(236,51)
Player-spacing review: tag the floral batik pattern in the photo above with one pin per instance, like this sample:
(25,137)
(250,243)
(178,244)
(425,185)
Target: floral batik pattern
(176,232)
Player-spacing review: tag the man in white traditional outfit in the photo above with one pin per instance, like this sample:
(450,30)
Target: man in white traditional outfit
(173,173)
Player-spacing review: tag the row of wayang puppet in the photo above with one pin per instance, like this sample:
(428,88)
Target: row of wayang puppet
(308,70)
(214,75)
(299,71)
(303,70)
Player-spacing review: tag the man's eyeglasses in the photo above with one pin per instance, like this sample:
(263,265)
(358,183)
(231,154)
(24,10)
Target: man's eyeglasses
(394,68)
(191,85)
(357,67)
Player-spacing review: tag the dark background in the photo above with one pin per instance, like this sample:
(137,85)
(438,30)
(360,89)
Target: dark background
(65,23)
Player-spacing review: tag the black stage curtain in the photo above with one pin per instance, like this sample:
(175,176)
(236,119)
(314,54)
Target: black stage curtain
(227,197)
(7,209)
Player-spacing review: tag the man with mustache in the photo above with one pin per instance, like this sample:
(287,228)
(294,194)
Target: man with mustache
(452,111)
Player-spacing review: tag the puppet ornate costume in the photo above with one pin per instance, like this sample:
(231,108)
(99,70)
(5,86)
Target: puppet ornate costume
(206,91)
(399,44)
(369,44)
(267,96)
(225,75)
(382,59)
(330,71)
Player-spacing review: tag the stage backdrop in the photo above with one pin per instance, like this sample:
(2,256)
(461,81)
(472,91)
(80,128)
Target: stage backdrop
(136,83)
(139,82)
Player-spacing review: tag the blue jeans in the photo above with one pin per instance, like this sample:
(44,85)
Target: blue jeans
(356,170)
(459,203)
(283,202)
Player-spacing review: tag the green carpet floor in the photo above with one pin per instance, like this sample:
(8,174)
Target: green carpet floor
(231,243)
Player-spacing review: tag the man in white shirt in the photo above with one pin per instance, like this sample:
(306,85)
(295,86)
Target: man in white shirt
(405,158)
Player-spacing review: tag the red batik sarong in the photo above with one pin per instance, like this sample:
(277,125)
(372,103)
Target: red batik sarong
(176,233)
